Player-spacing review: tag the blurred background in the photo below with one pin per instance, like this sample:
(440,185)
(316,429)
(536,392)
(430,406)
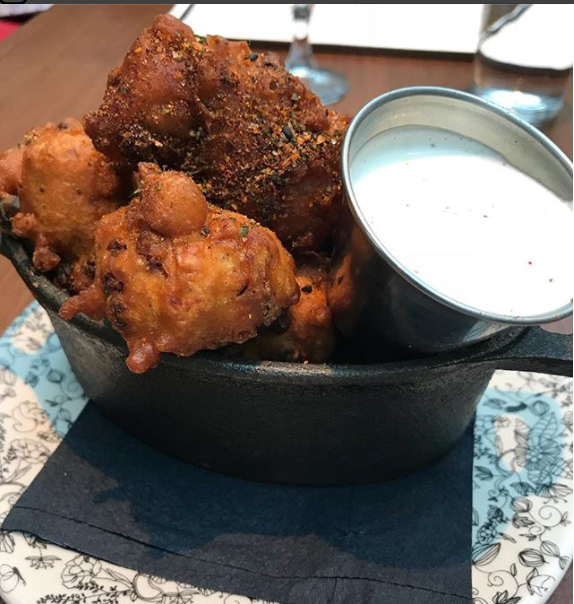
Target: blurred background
(522,56)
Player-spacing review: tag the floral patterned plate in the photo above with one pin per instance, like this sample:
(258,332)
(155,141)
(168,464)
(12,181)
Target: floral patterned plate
(522,498)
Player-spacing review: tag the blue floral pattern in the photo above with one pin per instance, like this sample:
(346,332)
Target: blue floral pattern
(522,486)
(522,490)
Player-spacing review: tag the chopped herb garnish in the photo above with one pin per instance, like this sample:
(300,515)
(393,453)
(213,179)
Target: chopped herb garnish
(136,192)
(196,134)
(243,231)
(29,137)
(287,132)
(124,89)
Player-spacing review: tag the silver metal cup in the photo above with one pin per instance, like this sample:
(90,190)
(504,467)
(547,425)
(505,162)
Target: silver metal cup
(376,300)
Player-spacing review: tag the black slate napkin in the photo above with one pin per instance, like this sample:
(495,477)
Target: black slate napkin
(108,495)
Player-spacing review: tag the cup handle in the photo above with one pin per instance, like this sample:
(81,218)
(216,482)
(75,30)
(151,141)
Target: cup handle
(536,350)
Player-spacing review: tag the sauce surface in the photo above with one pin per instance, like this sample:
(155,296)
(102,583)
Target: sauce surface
(472,227)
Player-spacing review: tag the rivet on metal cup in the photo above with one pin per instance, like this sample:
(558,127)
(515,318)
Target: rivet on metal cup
(380,297)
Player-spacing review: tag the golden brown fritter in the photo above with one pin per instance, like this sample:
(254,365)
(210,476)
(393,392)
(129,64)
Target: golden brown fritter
(176,275)
(252,135)
(10,171)
(305,333)
(344,294)
(66,186)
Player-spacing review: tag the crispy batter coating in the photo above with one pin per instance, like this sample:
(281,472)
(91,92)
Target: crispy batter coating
(176,275)
(252,135)
(344,295)
(305,333)
(10,171)
(66,186)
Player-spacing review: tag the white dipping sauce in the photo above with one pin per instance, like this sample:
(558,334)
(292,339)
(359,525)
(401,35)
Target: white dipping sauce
(472,227)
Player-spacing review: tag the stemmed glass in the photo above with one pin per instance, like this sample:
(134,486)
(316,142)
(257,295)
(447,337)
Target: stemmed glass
(329,85)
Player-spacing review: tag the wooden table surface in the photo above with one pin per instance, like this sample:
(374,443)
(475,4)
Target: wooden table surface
(56,66)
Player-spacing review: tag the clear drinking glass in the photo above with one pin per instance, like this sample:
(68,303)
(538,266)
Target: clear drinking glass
(524,58)
(329,85)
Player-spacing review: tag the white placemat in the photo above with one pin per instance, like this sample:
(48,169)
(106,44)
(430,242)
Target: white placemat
(420,27)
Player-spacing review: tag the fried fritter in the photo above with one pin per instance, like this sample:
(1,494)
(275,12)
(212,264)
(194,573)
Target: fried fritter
(251,134)
(10,171)
(305,333)
(174,274)
(65,187)
(344,293)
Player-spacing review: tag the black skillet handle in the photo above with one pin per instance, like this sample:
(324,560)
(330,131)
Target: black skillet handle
(537,350)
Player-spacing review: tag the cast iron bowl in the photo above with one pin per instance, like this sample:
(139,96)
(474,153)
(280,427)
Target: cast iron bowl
(285,422)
